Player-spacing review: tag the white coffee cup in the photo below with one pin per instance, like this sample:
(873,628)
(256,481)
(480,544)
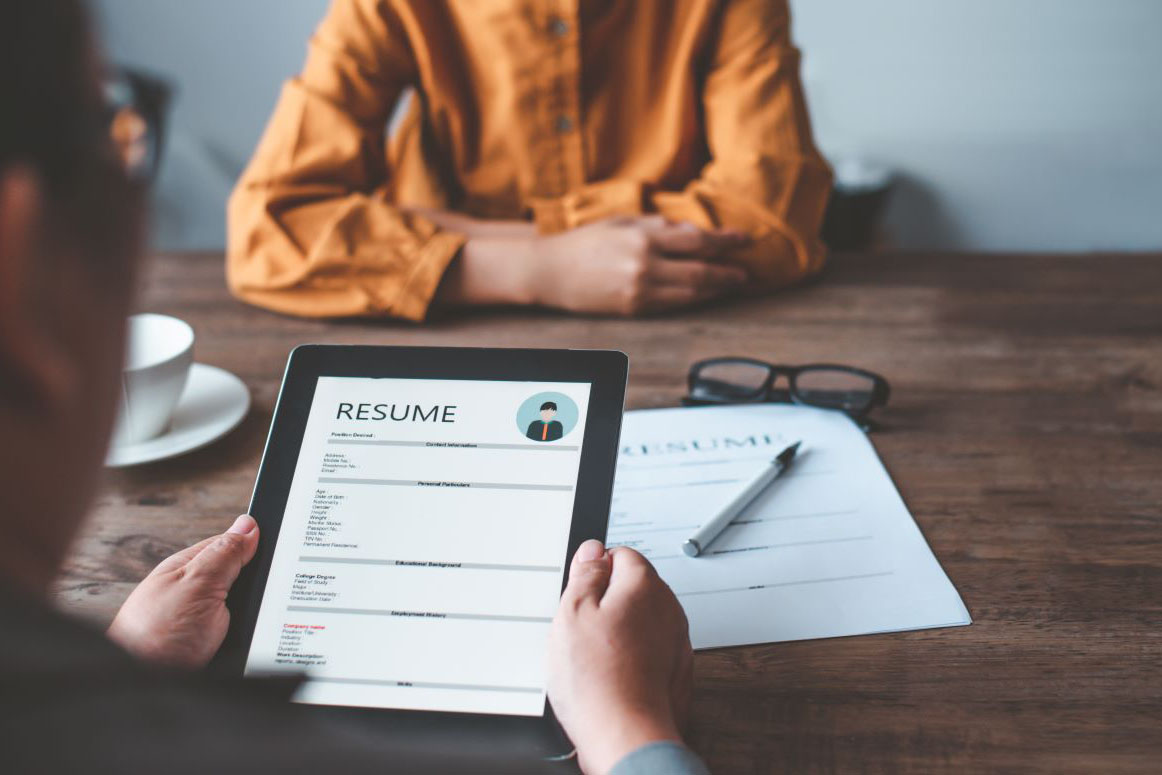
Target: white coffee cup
(157,363)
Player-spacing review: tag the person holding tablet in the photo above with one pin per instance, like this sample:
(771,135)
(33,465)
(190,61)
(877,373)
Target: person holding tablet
(597,157)
(73,699)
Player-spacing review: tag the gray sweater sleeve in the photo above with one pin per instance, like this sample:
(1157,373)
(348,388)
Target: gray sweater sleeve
(662,758)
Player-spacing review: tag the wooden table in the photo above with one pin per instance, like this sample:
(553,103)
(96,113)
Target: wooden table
(1025,433)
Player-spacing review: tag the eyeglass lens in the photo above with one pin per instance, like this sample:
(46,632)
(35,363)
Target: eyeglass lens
(732,380)
(133,135)
(130,137)
(834,389)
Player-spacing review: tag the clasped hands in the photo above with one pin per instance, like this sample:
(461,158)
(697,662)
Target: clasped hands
(637,265)
(623,266)
(619,663)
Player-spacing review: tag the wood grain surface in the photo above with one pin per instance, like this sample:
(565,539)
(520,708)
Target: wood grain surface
(1024,431)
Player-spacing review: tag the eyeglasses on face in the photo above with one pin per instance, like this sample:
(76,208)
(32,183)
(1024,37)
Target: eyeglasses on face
(135,107)
(739,380)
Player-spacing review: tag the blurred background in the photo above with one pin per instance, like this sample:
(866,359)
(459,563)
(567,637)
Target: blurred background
(1005,125)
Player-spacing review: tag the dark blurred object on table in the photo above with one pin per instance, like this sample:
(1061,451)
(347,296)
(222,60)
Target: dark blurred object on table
(858,198)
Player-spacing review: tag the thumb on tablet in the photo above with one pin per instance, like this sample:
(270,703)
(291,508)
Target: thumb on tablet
(588,574)
(223,558)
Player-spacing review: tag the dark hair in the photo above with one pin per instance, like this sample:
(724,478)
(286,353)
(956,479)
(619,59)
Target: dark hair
(48,93)
(55,123)
(548,405)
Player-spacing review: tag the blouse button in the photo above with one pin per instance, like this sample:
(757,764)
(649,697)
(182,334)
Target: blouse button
(559,27)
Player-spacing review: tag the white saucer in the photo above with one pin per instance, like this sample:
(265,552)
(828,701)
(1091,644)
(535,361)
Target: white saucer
(212,405)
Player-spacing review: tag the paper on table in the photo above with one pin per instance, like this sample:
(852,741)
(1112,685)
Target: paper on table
(828,550)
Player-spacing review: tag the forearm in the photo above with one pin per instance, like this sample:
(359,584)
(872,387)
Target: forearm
(495,265)
(490,271)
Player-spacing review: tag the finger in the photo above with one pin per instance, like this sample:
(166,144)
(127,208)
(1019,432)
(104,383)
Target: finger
(686,239)
(588,575)
(649,223)
(223,558)
(630,574)
(696,274)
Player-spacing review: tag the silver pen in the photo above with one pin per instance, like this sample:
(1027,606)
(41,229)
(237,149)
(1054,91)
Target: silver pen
(701,540)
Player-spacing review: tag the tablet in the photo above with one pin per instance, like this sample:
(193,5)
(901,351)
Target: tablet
(419,508)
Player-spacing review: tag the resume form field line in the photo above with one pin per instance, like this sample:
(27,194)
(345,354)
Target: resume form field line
(437,564)
(452,445)
(423,483)
(427,685)
(775,585)
(792,543)
(318,609)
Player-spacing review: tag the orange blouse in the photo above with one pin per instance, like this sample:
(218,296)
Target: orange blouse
(562,111)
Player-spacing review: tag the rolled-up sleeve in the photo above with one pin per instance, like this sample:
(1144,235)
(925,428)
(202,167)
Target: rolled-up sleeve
(311,230)
(765,176)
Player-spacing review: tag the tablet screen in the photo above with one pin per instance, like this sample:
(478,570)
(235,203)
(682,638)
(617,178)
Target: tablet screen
(421,554)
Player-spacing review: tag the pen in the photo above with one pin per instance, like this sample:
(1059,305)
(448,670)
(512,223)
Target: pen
(706,534)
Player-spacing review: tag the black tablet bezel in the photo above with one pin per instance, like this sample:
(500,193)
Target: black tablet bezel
(605,370)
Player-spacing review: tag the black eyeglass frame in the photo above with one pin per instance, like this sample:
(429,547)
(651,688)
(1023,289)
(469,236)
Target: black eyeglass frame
(150,98)
(768,393)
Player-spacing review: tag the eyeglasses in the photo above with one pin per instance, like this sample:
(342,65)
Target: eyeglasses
(135,107)
(748,381)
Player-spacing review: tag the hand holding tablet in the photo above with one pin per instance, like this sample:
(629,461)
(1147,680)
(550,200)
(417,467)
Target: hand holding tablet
(619,650)
(416,530)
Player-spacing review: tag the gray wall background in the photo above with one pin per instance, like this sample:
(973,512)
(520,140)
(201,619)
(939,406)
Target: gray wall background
(1014,125)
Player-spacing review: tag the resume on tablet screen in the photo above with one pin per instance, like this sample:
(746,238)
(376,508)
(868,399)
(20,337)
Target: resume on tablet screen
(421,554)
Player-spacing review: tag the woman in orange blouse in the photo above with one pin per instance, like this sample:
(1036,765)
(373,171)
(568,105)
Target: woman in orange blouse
(591,155)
